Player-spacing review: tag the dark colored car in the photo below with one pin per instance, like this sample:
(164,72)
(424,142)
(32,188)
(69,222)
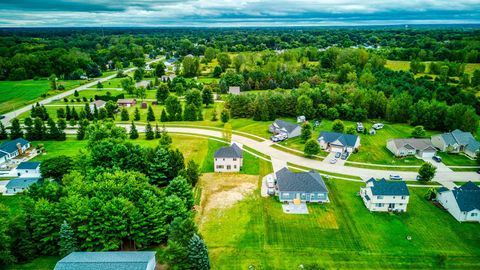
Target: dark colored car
(437,159)
(338,154)
(344,155)
(2,117)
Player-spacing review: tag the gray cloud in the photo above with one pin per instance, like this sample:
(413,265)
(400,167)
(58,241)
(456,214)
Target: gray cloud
(234,12)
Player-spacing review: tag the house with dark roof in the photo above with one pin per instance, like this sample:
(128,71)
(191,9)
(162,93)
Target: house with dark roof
(18,185)
(115,260)
(385,196)
(300,187)
(338,142)
(422,148)
(12,149)
(228,159)
(28,169)
(457,141)
(463,203)
(282,127)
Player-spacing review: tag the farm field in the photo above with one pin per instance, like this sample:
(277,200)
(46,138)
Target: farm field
(255,232)
(15,94)
(397,65)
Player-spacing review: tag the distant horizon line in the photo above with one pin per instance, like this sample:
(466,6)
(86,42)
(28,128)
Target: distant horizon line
(450,24)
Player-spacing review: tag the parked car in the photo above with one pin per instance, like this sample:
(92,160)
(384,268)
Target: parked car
(419,178)
(395,177)
(344,155)
(437,159)
(333,161)
(279,137)
(2,117)
(378,126)
(270,181)
(338,154)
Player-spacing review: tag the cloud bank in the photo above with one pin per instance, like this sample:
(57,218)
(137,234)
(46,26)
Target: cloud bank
(216,13)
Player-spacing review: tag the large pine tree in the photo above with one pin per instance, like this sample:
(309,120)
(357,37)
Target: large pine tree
(198,254)
(68,242)
(133,131)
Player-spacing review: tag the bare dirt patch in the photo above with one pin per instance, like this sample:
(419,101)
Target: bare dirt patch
(222,190)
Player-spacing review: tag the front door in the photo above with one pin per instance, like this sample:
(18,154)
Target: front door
(391,206)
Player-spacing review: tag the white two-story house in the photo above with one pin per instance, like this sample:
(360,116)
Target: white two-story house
(463,203)
(385,196)
(228,159)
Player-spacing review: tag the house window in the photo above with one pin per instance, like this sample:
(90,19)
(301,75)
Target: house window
(401,204)
(234,159)
(474,214)
(229,167)
(215,159)
(403,197)
(219,166)
(379,197)
(379,204)
(393,197)
(223,159)
(234,166)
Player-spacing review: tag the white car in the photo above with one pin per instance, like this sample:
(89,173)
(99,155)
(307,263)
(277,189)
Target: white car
(333,161)
(270,181)
(378,126)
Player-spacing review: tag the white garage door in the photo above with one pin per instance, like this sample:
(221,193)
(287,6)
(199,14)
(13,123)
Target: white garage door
(428,154)
(336,149)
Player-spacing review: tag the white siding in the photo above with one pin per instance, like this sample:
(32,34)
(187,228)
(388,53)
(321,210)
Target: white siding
(448,201)
(438,142)
(385,203)
(228,164)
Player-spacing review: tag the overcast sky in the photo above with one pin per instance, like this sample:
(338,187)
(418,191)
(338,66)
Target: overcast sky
(34,13)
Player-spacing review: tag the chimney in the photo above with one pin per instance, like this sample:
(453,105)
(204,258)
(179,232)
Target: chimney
(19,147)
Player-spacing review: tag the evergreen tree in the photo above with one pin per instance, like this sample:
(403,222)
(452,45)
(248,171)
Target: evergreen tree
(16,130)
(38,130)
(133,131)
(3,132)
(158,168)
(306,132)
(180,231)
(95,111)
(60,113)
(225,116)
(149,134)
(311,148)
(192,173)
(157,132)
(52,133)
(150,114)
(102,113)
(190,113)
(162,93)
(163,116)
(165,139)
(74,114)
(136,115)
(68,114)
(207,96)
(68,241)
(214,114)
(198,254)
(124,114)
(82,129)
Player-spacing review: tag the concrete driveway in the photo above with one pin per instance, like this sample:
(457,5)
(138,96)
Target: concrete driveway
(340,162)
(439,165)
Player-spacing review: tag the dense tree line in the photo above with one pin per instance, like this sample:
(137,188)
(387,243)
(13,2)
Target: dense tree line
(113,196)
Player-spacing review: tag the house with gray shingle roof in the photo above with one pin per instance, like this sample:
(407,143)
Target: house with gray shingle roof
(18,185)
(301,186)
(463,203)
(116,260)
(457,141)
(229,158)
(338,142)
(406,147)
(282,127)
(12,149)
(385,196)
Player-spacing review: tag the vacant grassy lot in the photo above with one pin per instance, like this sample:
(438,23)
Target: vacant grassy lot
(15,94)
(342,235)
(405,66)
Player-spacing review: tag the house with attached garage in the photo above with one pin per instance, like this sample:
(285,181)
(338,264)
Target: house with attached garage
(228,159)
(113,260)
(463,203)
(18,185)
(12,149)
(280,126)
(301,187)
(338,142)
(457,141)
(385,196)
(422,148)
(28,169)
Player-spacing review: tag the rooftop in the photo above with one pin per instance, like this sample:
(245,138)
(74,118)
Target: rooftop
(389,188)
(345,139)
(28,165)
(300,181)
(11,146)
(467,196)
(117,260)
(232,151)
(22,182)
(412,143)
(289,127)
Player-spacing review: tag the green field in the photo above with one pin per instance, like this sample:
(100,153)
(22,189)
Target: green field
(342,234)
(16,94)
(398,65)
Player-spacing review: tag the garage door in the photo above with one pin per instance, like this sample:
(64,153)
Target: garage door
(428,154)
(336,149)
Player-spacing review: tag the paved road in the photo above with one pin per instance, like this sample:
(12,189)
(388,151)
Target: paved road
(281,156)
(10,115)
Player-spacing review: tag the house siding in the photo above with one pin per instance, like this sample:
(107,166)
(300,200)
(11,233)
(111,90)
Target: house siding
(448,201)
(228,164)
(385,203)
(285,196)
(438,142)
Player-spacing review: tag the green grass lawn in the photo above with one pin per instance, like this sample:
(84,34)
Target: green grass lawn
(398,65)
(15,94)
(457,159)
(41,263)
(342,235)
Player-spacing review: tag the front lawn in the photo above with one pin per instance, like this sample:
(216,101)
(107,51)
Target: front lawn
(342,235)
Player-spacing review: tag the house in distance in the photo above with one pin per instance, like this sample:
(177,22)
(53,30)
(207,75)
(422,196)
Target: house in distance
(281,127)
(234,90)
(229,158)
(385,196)
(422,148)
(463,203)
(338,142)
(457,141)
